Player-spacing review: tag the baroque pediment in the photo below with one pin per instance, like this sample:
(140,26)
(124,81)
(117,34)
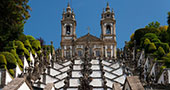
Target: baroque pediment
(88,38)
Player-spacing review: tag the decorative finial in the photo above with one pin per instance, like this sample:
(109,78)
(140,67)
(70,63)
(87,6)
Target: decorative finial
(68,8)
(88,28)
(68,5)
(112,10)
(107,8)
(107,3)
(72,10)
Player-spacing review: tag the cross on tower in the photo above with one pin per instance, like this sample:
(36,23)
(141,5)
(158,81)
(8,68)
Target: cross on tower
(88,28)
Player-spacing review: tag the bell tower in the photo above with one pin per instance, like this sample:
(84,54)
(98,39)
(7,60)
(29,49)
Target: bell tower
(68,34)
(108,32)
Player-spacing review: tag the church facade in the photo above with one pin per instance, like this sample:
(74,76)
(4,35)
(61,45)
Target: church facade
(105,46)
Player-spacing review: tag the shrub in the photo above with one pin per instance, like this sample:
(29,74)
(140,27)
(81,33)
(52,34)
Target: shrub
(27,45)
(29,59)
(141,32)
(165,46)
(150,36)
(155,40)
(36,45)
(161,51)
(13,51)
(162,67)
(2,60)
(146,43)
(20,63)
(39,53)
(11,61)
(163,28)
(11,71)
(167,60)
(19,45)
(151,47)
(33,52)
(26,53)
(30,38)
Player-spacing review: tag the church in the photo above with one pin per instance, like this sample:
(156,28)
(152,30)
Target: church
(105,46)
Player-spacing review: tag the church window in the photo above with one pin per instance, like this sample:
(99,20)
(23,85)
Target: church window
(108,54)
(68,54)
(108,15)
(68,31)
(108,29)
(97,53)
(68,15)
(79,53)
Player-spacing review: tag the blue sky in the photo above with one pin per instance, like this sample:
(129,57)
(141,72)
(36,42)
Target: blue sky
(130,15)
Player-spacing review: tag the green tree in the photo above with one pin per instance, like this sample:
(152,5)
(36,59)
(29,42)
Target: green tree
(36,45)
(150,36)
(146,43)
(3,61)
(151,48)
(168,20)
(11,60)
(14,14)
(153,25)
(161,51)
(167,60)
(141,32)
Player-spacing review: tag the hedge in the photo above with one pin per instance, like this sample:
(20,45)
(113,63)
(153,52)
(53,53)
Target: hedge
(30,38)
(26,53)
(146,43)
(156,40)
(19,45)
(161,51)
(11,61)
(11,71)
(151,47)
(29,59)
(33,52)
(13,51)
(2,59)
(39,53)
(36,45)
(27,45)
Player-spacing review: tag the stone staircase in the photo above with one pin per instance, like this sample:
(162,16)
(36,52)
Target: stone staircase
(66,74)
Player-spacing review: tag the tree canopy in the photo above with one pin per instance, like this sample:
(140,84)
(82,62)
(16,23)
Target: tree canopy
(14,14)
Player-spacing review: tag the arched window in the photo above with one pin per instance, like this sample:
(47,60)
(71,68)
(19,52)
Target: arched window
(68,31)
(108,29)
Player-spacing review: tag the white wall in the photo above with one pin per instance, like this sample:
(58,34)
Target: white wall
(161,79)
(25,63)
(153,69)
(141,58)
(18,71)
(32,58)
(8,78)
(24,86)
(168,76)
